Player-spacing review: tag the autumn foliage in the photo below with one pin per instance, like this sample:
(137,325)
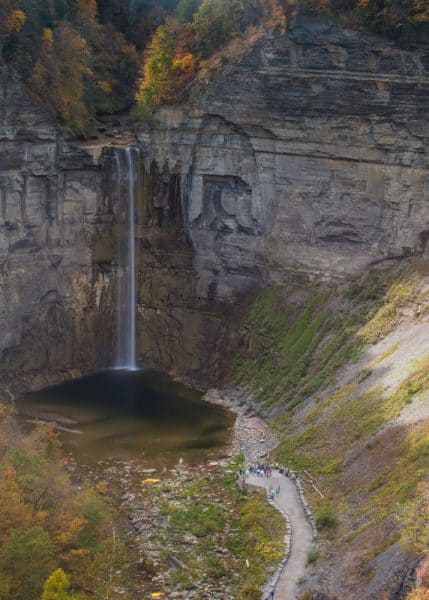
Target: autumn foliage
(88,58)
(80,66)
(48,528)
(419,594)
(198,30)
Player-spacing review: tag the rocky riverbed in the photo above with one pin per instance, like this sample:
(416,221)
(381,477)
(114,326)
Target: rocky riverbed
(252,436)
(183,525)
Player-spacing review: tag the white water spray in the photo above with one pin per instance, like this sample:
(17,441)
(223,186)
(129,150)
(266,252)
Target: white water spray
(126,356)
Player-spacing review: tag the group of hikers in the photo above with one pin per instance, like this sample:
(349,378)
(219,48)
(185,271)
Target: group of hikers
(263,470)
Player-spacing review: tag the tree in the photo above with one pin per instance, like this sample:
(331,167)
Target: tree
(169,65)
(186,9)
(14,512)
(57,587)
(12,19)
(215,22)
(60,76)
(27,558)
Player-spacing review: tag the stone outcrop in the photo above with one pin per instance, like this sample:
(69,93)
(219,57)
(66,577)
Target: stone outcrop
(56,255)
(308,157)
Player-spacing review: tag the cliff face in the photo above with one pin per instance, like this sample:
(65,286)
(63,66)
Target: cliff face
(307,157)
(55,256)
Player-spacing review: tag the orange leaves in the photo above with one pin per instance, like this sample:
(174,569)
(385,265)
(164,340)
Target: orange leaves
(185,63)
(14,512)
(68,528)
(169,66)
(419,594)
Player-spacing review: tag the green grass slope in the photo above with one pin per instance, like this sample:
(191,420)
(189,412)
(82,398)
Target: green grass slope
(344,375)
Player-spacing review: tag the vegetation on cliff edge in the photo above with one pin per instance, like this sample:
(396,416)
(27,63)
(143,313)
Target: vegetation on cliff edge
(88,58)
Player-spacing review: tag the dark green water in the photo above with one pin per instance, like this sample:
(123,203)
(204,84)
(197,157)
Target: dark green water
(131,415)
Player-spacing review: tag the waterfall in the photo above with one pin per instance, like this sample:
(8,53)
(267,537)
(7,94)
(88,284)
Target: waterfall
(126,356)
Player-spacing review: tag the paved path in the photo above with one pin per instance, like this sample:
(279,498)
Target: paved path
(302,535)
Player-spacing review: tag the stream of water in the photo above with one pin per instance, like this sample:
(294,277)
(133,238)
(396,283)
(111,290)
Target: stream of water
(127,178)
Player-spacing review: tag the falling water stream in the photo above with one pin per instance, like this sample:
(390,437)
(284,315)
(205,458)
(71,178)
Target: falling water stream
(126,356)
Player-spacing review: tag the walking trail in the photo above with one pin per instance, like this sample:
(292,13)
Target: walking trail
(302,535)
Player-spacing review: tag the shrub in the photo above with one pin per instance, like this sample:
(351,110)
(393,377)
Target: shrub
(326,519)
(313,555)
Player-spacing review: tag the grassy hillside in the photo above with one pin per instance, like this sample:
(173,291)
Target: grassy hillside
(344,375)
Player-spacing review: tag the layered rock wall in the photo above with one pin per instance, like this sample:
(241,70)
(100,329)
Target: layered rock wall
(56,261)
(309,157)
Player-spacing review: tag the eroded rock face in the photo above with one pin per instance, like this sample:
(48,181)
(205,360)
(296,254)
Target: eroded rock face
(177,331)
(56,253)
(308,157)
(305,160)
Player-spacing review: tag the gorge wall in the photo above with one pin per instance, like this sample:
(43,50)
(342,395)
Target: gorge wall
(308,156)
(307,159)
(56,255)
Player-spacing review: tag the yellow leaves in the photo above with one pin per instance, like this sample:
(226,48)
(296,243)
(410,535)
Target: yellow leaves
(16,20)
(270,551)
(152,481)
(57,587)
(48,38)
(4,411)
(101,487)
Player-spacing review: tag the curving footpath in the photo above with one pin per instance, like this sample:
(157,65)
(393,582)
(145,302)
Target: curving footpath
(289,503)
